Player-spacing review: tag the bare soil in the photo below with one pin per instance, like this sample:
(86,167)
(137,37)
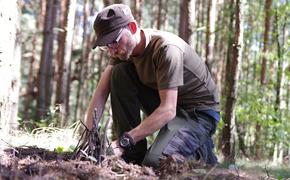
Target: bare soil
(36,163)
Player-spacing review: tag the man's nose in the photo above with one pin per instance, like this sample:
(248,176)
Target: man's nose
(113,52)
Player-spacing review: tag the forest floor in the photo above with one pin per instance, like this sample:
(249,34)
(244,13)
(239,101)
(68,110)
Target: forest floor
(38,163)
(40,157)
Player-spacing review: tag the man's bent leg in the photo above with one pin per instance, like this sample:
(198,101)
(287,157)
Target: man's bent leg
(184,135)
(127,96)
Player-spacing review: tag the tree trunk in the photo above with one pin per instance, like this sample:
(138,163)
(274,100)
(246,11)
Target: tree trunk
(210,35)
(32,81)
(263,73)
(83,73)
(159,15)
(280,73)
(64,58)
(232,84)
(176,24)
(165,17)
(184,24)
(45,73)
(138,11)
(127,2)
(60,84)
(106,3)
(226,132)
(221,48)
(10,56)
(241,135)
(198,24)
(275,154)
(266,39)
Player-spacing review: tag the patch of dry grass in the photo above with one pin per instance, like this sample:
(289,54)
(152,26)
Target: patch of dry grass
(46,137)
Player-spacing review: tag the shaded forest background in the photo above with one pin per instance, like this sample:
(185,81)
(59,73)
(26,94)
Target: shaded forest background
(49,71)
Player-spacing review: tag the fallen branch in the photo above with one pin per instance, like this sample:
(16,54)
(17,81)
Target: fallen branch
(92,144)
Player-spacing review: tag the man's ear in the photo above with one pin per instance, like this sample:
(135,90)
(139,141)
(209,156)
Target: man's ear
(133,27)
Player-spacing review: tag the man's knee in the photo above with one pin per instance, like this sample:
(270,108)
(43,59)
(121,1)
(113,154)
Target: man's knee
(121,70)
(123,75)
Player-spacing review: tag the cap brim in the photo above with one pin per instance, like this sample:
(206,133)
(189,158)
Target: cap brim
(106,39)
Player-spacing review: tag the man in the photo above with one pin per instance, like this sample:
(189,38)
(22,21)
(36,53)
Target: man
(160,74)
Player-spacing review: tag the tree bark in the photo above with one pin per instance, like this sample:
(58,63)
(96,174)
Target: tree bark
(184,24)
(280,73)
(198,24)
(138,11)
(46,71)
(106,2)
(210,35)
(266,39)
(159,14)
(263,73)
(64,58)
(60,73)
(232,83)
(82,91)
(32,81)
(10,56)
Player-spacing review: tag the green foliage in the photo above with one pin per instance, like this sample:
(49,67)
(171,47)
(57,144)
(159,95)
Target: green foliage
(59,149)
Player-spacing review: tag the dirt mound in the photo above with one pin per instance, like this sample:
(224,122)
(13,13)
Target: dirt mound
(36,163)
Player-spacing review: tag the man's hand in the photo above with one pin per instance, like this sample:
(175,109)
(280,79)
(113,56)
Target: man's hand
(118,151)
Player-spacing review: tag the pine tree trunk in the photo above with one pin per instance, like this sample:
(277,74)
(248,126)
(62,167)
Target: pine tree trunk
(165,17)
(30,95)
(267,9)
(225,134)
(138,11)
(275,155)
(159,16)
(82,92)
(210,36)
(184,24)
(64,58)
(232,83)
(280,73)
(10,56)
(45,73)
(198,24)
(241,133)
(266,39)
(60,84)
(106,2)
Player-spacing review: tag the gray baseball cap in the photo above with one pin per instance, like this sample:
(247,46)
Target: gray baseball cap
(109,22)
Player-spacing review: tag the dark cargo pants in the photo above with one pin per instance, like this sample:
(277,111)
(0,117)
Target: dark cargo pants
(188,134)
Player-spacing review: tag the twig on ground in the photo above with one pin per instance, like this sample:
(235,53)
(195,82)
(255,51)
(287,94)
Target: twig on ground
(14,150)
(209,172)
(267,171)
(92,143)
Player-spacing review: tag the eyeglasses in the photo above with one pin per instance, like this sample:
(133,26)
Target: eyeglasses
(113,45)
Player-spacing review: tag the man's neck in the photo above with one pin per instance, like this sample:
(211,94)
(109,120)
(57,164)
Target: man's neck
(141,42)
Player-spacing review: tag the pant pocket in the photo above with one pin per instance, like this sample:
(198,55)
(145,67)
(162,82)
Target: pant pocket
(184,143)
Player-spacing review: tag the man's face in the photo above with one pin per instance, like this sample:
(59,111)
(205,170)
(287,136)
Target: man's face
(123,46)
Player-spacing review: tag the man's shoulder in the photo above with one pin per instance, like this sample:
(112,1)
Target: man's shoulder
(164,39)
(165,36)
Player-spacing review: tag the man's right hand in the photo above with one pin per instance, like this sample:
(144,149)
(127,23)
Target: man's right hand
(118,151)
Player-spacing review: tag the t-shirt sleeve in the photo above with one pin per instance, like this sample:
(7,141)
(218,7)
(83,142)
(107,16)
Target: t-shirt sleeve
(169,67)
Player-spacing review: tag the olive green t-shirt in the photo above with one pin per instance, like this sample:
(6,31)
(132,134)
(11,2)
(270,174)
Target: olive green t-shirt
(169,62)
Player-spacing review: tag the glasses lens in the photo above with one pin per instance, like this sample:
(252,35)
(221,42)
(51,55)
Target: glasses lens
(103,48)
(115,43)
